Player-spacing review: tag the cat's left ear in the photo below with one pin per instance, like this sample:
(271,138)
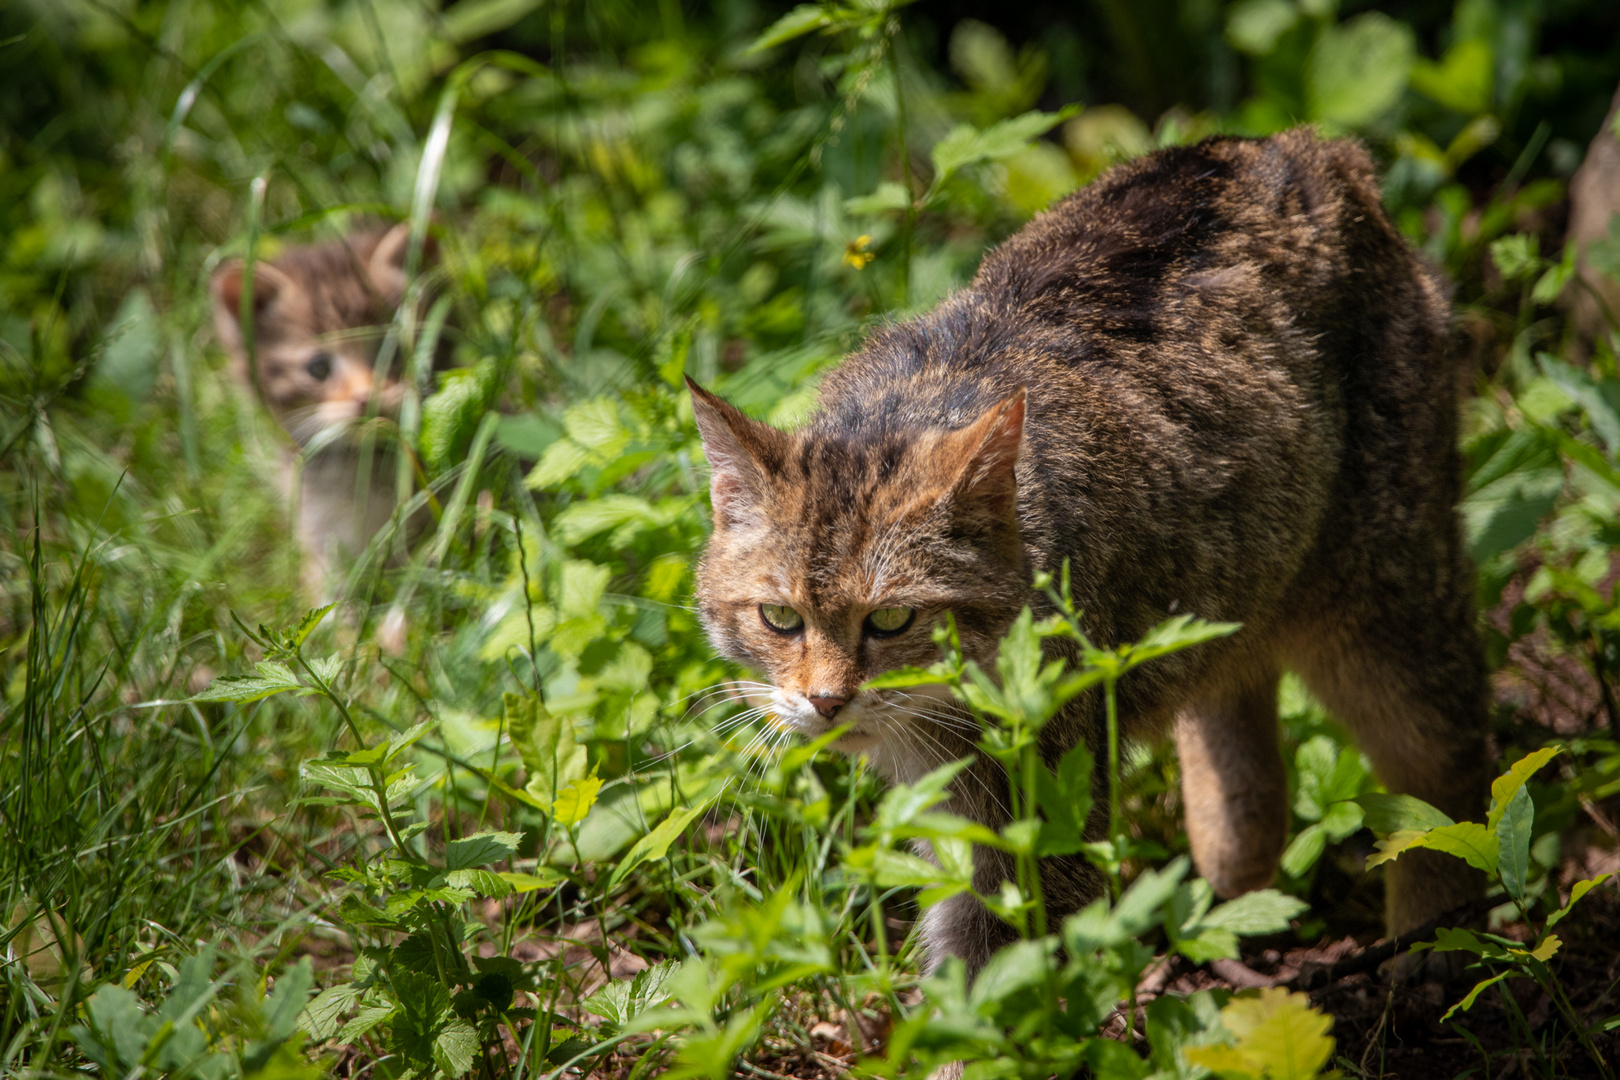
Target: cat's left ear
(387,263)
(985,458)
(734,445)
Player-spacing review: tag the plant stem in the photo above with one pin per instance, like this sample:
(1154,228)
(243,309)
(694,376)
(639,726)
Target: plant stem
(909,225)
(1111,705)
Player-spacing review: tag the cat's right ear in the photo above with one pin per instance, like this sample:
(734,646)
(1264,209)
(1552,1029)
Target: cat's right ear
(734,444)
(227,286)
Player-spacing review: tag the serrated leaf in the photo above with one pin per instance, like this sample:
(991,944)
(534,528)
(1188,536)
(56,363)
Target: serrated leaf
(455,1047)
(1385,813)
(1513,841)
(365,1018)
(306,626)
(1265,911)
(576,801)
(966,145)
(480,849)
(485,883)
(323,1015)
(272,678)
(804,19)
(551,756)
(1505,787)
(623,1000)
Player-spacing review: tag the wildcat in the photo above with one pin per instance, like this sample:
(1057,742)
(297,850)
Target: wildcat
(319,315)
(1216,381)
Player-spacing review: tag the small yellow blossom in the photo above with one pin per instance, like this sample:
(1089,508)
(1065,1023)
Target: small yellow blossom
(856,253)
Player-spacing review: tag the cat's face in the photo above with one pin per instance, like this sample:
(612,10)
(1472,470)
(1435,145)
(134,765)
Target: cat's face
(320,314)
(833,560)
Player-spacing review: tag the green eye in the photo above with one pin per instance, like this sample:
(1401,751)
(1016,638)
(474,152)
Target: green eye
(784,620)
(890,620)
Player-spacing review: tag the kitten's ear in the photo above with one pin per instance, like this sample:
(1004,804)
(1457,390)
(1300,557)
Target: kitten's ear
(268,284)
(732,442)
(387,265)
(986,457)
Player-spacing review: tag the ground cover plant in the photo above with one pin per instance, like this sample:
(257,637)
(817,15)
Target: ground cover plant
(545,831)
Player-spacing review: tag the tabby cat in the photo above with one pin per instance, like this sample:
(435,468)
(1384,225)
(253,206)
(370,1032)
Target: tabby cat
(319,315)
(1216,382)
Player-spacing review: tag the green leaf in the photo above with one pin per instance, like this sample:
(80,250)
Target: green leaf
(481,849)
(451,415)
(455,1047)
(1254,26)
(966,145)
(804,19)
(1468,840)
(1264,911)
(323,1016)
(1304,850)
(1505,788)
(1513,842)
(272,678)
(1462,80)
(1601,403)
(576,801)
(1398,813)
(656,843)
(551,756)
(1473,995)
(306,626)
(282,1008)
(545,877)
(1516,256)
(1279,1036)
(1581,889)
(622,1000)
(1173,635)
(1358,70)
(485,883)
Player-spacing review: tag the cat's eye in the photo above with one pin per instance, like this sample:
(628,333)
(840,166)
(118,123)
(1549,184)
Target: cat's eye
(784,620)
(319,366)
(888,621)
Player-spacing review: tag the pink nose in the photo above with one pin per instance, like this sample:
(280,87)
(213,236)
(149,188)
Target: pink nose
(828,706)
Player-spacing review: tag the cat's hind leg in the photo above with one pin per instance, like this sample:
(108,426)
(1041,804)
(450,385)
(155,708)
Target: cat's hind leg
(1233,782)
(1412,690)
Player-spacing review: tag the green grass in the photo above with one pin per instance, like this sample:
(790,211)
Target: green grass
(624,194)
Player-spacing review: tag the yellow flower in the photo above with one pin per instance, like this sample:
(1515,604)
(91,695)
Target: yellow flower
(855,253)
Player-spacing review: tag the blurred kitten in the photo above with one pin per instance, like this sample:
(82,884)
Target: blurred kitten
(320,314)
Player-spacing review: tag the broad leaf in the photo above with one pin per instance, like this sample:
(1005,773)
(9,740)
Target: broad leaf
(1398,813)
(1265,911)
(1473,995)
(272,678)
(1505,787)
(1513,842)
(1278,1036)
(656,843)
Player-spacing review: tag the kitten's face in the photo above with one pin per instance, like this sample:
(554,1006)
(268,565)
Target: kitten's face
(320,314)
(832,561)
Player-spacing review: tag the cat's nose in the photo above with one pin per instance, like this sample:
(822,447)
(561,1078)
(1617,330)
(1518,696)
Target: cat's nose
(828,705)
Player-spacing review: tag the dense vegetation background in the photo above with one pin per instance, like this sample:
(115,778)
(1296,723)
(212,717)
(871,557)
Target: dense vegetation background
(622,193)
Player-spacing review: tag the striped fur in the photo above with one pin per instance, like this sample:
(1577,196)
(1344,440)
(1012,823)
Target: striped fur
(1215,381)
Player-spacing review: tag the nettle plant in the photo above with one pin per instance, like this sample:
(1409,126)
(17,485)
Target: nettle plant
(1041,1005)
(418,990)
